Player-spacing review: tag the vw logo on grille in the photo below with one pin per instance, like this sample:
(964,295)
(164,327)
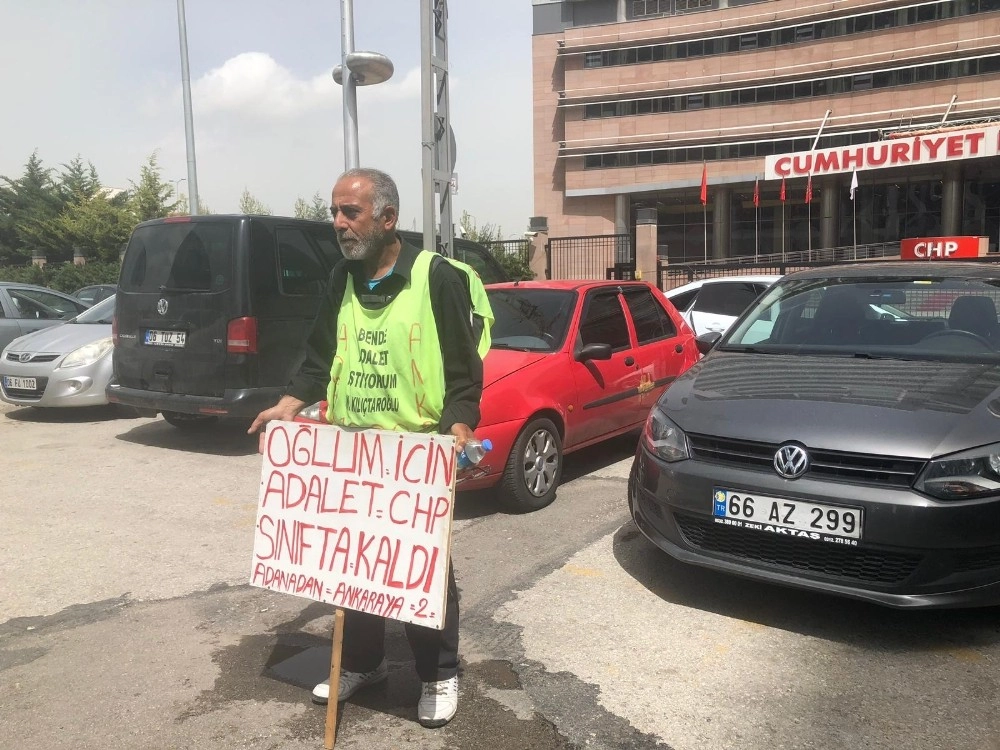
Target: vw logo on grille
(24,357)
(791,461)
(161,307)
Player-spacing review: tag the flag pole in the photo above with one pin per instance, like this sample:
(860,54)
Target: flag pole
(756,218)
(854,210)
(809,225)
(704,222)
(704,206)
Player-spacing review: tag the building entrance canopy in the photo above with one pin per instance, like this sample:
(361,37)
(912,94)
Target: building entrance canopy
(926,147)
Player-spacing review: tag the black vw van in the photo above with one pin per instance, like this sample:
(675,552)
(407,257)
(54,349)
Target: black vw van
(212,311)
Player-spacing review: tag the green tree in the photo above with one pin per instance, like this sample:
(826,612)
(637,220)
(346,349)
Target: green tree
(78,183)
(27,204)
(513,260)
(151,198)
(250,205)
(317,210)
(98,226)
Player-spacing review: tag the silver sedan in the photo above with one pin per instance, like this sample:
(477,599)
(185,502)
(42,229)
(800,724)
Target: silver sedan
(64,365)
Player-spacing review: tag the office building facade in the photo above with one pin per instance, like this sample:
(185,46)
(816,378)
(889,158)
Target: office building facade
(739,127)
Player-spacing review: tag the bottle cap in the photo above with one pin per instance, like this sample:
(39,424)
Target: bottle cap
(487,444)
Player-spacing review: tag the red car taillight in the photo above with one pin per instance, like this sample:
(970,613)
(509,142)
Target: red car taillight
(241,336)
(114,330)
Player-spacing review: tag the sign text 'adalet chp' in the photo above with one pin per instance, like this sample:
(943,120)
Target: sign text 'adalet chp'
(360,519)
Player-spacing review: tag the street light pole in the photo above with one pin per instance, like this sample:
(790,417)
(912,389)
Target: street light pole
(350,93)
(192,178)
(177,187)
(355,69)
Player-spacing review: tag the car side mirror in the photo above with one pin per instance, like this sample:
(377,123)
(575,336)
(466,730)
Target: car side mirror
(706,341)
(594,351)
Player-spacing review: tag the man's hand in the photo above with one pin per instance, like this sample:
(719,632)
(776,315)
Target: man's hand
(463,434)
(285,410)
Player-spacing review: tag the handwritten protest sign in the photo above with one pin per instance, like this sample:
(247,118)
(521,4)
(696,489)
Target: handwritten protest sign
(357,519)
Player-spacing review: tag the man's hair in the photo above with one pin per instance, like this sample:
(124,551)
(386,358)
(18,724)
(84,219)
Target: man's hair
(384,190)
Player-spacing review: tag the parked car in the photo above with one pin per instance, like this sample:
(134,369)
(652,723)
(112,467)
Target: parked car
(63,365)
(714,304)
(95,293)
(25,308)
(572,363)
(853,449)
(213,311)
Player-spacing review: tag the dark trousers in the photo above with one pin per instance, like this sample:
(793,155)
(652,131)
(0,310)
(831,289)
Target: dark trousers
(434,651)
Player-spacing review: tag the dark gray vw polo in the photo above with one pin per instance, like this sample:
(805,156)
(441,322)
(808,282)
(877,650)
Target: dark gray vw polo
(844,436)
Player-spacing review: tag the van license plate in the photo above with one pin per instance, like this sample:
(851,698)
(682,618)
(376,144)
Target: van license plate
(19,384)
(166,338)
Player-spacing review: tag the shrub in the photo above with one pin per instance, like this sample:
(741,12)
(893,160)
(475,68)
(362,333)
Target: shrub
(63,277)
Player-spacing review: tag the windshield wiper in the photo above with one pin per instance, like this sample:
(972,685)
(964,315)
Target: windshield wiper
(508,347)
(748,349)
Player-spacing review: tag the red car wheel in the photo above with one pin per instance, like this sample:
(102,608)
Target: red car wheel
(534,467)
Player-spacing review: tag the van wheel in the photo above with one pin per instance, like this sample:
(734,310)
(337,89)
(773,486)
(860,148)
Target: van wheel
(533,469)
(188,421)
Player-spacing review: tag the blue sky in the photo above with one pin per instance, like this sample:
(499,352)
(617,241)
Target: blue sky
(102,80)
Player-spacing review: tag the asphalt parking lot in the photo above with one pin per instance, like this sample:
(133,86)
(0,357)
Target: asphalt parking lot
(128,623)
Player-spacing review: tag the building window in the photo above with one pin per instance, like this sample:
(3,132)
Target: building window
(886,79)
(838,27)
(685,6)
(650,7)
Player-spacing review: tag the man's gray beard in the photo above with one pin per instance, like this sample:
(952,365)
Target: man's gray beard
(364,248)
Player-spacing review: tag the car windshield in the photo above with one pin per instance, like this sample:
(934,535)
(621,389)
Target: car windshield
(102,312)
(530,319)
(891,317)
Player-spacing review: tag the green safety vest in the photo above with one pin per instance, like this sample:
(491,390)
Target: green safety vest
(388,372)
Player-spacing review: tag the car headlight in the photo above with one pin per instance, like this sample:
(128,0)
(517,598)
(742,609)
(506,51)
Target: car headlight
(88,354)
(663,438)
(963,476)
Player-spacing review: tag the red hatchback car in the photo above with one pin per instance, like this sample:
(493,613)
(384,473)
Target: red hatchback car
(572,363)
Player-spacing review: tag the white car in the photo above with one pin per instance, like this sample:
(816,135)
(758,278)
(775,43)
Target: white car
(714,304)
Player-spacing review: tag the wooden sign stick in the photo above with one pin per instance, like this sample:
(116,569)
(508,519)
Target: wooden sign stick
(332,702)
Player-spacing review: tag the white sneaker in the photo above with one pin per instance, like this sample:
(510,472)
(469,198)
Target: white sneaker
(438,702)
(350,683)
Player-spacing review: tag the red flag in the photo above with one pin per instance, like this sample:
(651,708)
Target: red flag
(756,192)
(704,184)
(809,189)
(782,195)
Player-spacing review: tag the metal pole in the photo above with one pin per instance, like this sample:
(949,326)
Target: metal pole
(783,231)
(438,148)
(756,232)
(809,217)
(427,120)
(350,92)
(704,223)
(192,178)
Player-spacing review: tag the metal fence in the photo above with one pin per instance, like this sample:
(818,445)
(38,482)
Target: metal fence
(509,247)
(676,274)
(591,257)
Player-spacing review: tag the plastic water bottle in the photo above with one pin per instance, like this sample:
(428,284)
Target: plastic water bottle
(473,452)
